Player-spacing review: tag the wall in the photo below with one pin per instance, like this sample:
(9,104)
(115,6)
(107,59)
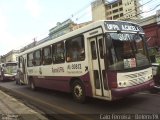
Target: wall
(98,10)
(152,31)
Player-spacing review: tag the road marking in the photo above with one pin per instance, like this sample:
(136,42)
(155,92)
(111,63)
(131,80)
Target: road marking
(54,106)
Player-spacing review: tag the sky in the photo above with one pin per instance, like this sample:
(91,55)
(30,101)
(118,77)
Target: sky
(23,20)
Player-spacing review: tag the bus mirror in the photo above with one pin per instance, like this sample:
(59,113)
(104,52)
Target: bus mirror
(109,41)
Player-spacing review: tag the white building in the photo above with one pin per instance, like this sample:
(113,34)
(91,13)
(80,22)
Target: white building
(117,9)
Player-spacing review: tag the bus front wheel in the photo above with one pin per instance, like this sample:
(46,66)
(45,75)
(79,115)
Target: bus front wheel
(78,91)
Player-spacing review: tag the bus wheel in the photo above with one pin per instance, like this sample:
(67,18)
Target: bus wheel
(78,91)
(32,85)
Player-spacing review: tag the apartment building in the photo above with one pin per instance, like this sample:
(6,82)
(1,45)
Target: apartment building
(61,29)
(117,9)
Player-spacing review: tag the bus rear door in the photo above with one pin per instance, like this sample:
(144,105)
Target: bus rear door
(98,74)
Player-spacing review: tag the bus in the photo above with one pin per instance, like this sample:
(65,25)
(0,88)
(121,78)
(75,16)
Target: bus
(105,59)
(8,71)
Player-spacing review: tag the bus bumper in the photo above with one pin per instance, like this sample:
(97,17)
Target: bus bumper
(9,77)
(123,92)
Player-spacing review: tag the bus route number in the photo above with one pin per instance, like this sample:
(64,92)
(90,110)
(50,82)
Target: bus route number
(76,66)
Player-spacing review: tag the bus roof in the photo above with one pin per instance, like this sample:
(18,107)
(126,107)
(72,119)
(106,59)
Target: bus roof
(73,33)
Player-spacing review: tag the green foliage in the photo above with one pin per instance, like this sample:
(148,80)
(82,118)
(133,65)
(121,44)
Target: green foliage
(152,51)
(158,70)
(157,58)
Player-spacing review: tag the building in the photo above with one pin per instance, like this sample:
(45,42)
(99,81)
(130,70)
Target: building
(152,30)
(64,28)
(77,26)
(117,9)
(61,29)
(98,10)
(151,27)
(43,40)
(11,56)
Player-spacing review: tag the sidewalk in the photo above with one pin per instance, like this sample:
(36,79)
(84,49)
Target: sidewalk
(12,109)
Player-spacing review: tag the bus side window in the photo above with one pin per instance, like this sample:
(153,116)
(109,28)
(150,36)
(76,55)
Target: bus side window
(30,60)
(47,55)
(75,49)
(37,58)
(58,52)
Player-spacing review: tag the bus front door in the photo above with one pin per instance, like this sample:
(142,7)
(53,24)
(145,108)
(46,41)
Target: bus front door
(23,73)
(98,74)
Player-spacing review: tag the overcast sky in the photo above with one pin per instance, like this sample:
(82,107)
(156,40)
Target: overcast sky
(23,20)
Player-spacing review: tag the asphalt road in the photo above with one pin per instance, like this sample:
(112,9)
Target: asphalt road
(57,104)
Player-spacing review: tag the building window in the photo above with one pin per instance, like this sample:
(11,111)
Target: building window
(109,13)
(115,11)
(75,49)
(114,5)
(109,18)
(120,9)
(47,55)
(121,14)
(108,7)
(58,52)
(30,60)
(37,58)
(120,3)
(115,17)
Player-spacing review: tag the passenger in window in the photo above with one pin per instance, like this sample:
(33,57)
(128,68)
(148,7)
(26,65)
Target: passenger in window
(74,53)
(60,52)
(47,56)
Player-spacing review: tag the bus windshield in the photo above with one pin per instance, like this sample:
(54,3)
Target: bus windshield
(126,51)
(10,68)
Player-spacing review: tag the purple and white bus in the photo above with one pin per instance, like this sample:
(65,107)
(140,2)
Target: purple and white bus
(105,59)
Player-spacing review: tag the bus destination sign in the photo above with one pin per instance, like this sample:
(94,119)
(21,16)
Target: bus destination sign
(122,26)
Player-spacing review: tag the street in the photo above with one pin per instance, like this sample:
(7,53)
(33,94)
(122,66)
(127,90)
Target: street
(59,104)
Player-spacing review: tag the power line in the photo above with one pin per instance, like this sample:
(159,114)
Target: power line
(146,11)
(80,10)
(103,2)
(136,8)
(146,20)
(81,16)
(85,7)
